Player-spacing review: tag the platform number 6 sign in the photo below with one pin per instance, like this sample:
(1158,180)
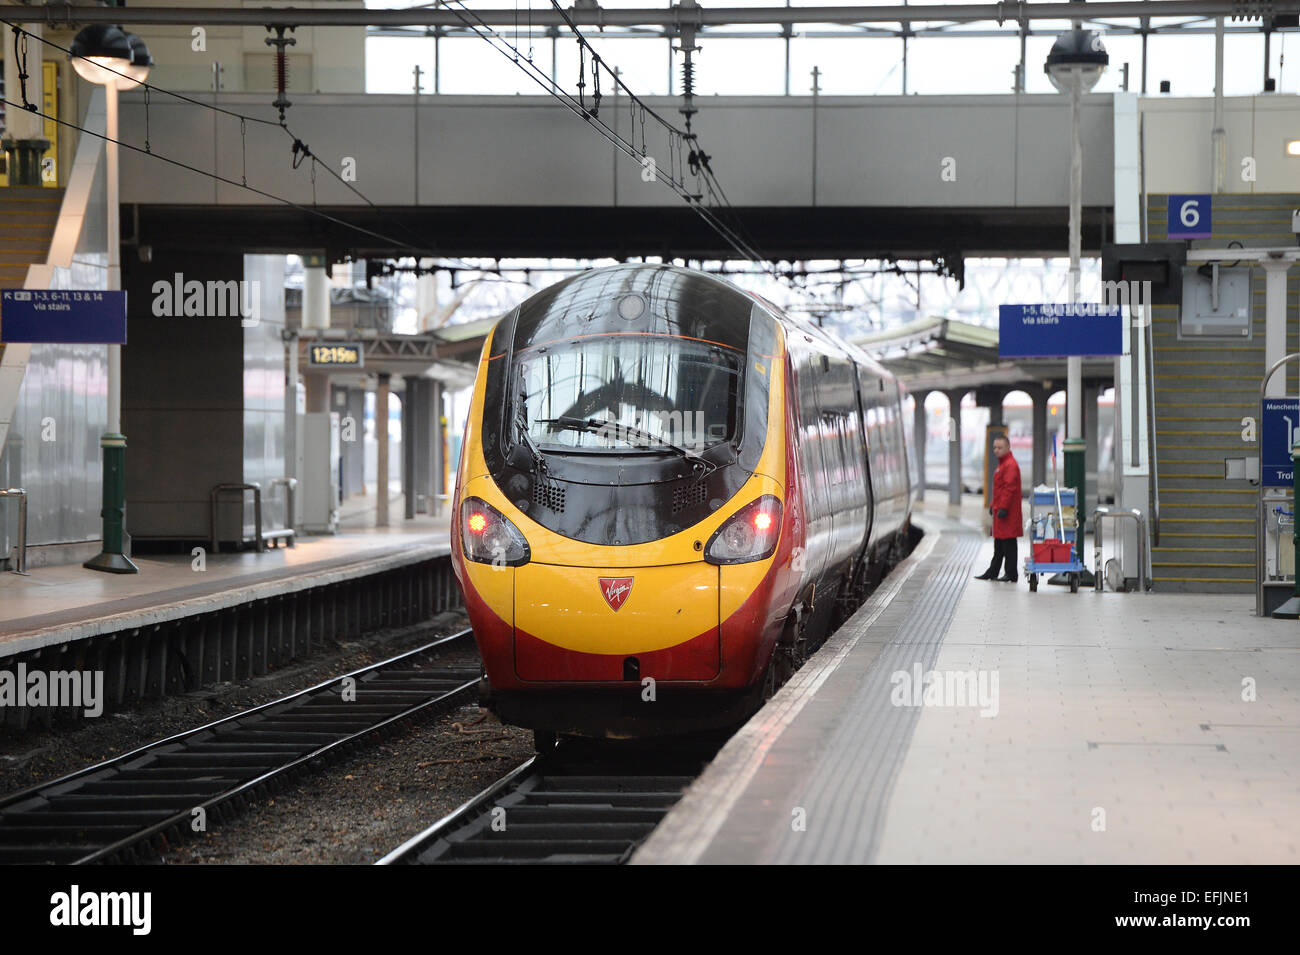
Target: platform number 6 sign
(1189,217)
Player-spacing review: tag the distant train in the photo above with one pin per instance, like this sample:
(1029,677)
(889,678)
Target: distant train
(669,493)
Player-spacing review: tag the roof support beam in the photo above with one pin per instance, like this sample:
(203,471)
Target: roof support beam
(672,17)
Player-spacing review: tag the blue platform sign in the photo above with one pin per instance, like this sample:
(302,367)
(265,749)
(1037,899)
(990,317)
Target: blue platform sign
(1189,217)
(1059,331)
(1278,422)
(63,316)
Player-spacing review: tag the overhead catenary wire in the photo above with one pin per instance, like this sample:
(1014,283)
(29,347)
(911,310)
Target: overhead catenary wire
(698,160)
(733,234)
(421,248)
(217,177)
(510,52)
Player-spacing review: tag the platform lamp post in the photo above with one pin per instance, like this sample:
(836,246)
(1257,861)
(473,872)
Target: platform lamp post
(116,60)
(1074,65)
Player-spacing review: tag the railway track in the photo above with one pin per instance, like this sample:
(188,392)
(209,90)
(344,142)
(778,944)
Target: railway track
(589,804)
(127,808)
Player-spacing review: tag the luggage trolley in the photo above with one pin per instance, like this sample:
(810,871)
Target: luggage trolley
(1053,533)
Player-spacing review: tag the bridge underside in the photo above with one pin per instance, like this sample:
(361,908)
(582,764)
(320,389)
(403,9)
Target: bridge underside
(790,233)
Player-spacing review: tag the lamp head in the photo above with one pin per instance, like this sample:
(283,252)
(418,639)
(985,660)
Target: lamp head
(1076,56)
(103,53)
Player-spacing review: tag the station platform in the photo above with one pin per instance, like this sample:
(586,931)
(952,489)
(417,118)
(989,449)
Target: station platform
(1100,728)
(63,604)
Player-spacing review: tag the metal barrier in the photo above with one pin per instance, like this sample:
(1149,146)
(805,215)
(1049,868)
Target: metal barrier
(1136,516)
(20,548)
(257,513)
(287,532)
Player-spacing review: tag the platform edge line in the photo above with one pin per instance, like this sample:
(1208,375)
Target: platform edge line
(716,791)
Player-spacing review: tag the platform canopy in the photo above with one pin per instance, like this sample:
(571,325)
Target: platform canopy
(942,353)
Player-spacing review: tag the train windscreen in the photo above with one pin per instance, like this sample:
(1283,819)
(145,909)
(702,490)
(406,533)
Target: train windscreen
(629,392)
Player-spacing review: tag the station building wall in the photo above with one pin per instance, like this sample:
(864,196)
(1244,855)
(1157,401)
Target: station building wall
(202,396)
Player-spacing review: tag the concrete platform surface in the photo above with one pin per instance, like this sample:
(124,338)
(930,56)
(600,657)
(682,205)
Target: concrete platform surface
(58,604)
(1094,728)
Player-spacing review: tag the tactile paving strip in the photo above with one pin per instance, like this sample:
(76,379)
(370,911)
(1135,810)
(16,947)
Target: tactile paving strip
(843,801)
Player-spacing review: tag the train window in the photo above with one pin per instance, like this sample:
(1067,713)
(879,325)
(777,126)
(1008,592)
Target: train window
(621,392)
(811,428)
(759,368)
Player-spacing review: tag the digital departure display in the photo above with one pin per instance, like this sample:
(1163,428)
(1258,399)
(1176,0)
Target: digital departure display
(344,356)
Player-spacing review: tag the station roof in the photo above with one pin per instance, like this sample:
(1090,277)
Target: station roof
(940,354)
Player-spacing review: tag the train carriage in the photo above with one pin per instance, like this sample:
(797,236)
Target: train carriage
(669,493)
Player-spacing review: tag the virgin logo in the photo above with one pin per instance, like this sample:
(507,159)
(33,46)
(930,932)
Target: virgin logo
(615,590)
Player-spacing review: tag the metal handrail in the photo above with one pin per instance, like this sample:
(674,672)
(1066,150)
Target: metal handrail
(1136,516)
(287,532)
(20,548)
(257,513)
(1152,464)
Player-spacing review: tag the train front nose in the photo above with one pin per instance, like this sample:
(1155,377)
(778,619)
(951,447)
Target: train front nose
(612,624)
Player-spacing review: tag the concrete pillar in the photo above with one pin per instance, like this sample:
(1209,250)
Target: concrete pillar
(992,399)
(316,315)
(381,456)
(353,414)
(424,447)
(1040,397)
(920,429)
(426,298)
(318,391)
(954,446)
(1091,392)
(438,451)
(1274,323)
(315,292)
(409,415)
(416,440)
(294,405)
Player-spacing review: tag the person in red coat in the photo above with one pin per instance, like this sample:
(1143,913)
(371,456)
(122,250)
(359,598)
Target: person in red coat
(1007,522)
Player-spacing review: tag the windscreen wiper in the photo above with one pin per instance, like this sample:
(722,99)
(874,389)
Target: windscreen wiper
(521,425)
(569,422)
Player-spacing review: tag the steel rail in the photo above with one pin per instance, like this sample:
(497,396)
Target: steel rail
(179,820)
(409,849)
(671,17)
(573,806)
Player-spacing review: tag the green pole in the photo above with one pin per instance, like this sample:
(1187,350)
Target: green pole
(1291,609)
(112,559)
(1075,471)
(1075,468)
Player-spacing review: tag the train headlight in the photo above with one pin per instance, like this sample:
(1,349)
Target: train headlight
(488,537)
(749,534)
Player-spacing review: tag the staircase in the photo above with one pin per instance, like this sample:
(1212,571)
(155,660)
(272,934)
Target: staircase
(27,218)
(1203,389)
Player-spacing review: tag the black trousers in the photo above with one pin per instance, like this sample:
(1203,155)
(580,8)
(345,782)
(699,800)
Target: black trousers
(1004,549)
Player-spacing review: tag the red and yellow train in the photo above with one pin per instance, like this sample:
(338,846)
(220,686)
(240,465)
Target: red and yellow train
(668,494)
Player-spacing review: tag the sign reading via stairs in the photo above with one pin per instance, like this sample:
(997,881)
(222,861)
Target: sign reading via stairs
(67,317)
